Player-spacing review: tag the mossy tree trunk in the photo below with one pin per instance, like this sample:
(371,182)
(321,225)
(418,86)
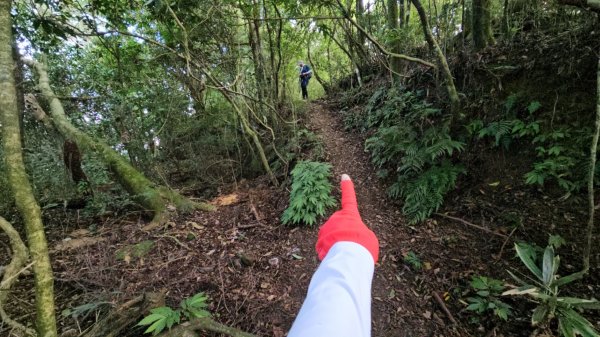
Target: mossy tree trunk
(19,182)
(591,173)
(149,195)
(393,25)
(360,18)
(483,34)
(443,63)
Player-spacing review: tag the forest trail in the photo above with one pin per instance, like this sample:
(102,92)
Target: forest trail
(397,309)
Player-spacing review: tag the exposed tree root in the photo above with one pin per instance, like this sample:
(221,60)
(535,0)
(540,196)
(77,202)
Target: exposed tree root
(189,329)
(125,316)
(128,314)
(19,258)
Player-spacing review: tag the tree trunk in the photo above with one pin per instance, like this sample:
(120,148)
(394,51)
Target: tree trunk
(505,25)
(147,194)
(281,93)
(392,11)
(452,94)
(407,20)
(402,12)
(256,46)
(360,13)
(72,160)
(483,34)
(19,182)
(591,173)
(272,77)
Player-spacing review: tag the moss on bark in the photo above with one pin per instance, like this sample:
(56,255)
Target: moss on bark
(483,34)
(19,182)
(146,193)
(445,69)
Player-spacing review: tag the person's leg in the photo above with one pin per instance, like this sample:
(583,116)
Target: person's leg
(304,90)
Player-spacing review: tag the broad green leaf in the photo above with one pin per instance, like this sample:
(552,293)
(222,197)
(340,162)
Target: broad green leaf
(572,324)
(527,254)
(539,314)
(579,303)
(548,266)
(502,313)
(150,319)
(483,293)
(478,283)
(157,326)
(568,279)
(164,311)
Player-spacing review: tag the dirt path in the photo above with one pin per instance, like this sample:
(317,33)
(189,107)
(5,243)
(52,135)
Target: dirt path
(399,309)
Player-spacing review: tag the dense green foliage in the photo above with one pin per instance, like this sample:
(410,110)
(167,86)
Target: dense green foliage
(311,193)
(412,147)
(559,149)
(198,95)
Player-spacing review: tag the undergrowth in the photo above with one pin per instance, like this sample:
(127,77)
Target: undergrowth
(559,150)
(311,193)
(412,146)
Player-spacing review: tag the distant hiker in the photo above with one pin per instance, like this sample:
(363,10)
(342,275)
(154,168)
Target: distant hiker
(338,302)
(305,75)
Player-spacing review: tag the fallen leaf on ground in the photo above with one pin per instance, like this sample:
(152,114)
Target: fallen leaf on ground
(226,200)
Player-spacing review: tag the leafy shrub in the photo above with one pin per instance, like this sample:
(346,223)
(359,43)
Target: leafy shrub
(424,193)
(311,193)
(165,317)
(557,161)
(307,140)
(413,260)
(504,131)
(559,151)
(488,291)
(354,120)
(544,289)
(410,145)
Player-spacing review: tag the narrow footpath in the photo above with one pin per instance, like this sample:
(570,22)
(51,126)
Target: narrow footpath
(400,307)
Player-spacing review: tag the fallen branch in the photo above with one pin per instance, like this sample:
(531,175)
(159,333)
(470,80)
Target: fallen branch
(206,324)
(441,303)
(126,315)
(505,242)
(470,224)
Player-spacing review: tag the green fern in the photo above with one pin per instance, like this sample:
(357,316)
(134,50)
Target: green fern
(424,194)
(408,143)
(165,317)
(413,260)
(511,101)
(500,130)
(311,193)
